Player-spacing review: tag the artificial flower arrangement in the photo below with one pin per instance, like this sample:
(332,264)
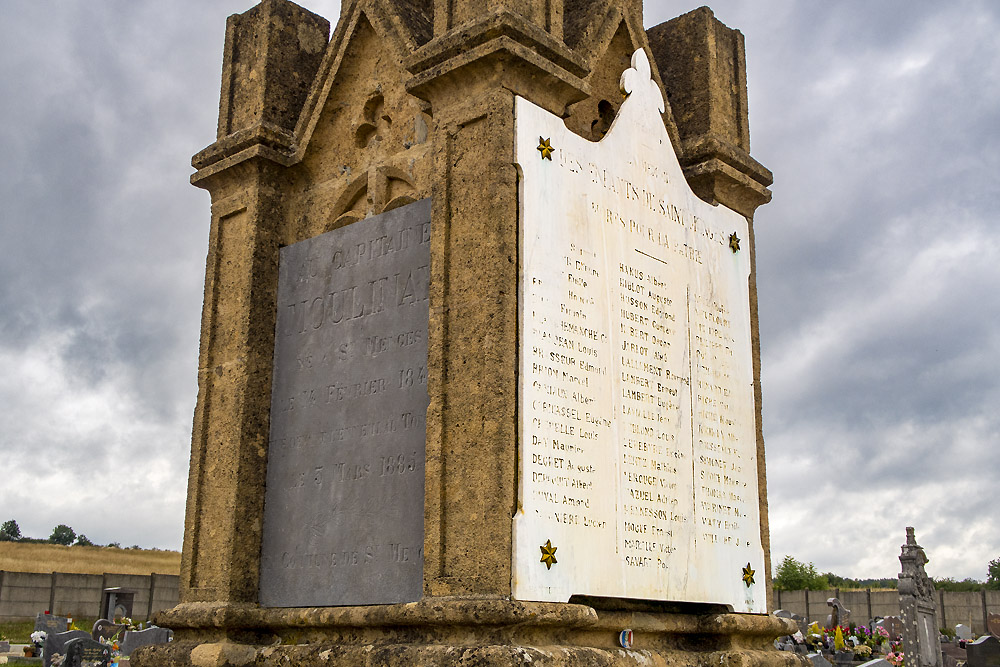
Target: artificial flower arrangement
(114,642)
(857,639)
(862,652)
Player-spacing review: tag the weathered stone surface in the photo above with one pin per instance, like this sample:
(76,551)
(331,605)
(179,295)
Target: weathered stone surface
(557,634)
(962,631)
(396,112)
(921,636)
(839,614)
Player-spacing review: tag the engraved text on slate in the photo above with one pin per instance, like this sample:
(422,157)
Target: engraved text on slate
(344,504)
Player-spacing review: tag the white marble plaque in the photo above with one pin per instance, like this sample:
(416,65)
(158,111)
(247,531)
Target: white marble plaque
(638,461)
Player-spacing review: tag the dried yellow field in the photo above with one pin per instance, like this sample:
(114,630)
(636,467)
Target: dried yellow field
(17,557)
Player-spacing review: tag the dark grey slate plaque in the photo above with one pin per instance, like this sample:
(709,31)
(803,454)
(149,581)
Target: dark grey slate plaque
(50,623)
(55,643)
(85,652)
(344,504)
(138,638)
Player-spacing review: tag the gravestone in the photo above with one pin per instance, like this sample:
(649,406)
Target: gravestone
(117,602)
(56,644)
(105,629)
(85,652)
(921,636)
(892,624)
(993,624)
(4,646)
(800,621)
(343,513)
(818,660)
(962,631)
(50,623)
(876,662)
(984,652)
(839,615)
(136,638)
(565,439)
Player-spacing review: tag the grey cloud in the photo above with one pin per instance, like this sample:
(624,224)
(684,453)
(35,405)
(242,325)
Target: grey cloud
(880,354)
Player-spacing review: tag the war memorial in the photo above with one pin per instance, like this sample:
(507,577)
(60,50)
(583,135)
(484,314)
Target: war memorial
(479,367)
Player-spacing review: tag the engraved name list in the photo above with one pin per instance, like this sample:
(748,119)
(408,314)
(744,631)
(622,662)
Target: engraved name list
(638,458)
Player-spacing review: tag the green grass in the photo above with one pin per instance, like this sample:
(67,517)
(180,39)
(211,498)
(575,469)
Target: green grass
(19,632)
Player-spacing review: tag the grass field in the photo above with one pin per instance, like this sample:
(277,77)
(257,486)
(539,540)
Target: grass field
(19,632)
(16,557)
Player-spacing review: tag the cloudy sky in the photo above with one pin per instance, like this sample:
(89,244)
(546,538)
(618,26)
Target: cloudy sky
(878,261)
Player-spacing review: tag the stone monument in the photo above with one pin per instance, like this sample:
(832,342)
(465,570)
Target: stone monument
(921,637)
(479,369)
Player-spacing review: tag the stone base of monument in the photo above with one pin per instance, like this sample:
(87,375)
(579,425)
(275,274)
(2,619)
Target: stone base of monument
(450,631)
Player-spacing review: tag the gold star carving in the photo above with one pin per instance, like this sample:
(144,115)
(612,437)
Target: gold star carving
(548,554)
(734,242)
(545,148)
(748,575)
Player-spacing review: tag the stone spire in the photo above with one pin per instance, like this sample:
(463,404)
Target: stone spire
(921,639)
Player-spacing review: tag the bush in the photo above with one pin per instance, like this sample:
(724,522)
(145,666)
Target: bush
(62,534)
(993,579)
(83,541)
(949,584)
(793,575)
(10,531)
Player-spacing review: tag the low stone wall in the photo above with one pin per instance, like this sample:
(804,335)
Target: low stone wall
(970,608)
(24,594)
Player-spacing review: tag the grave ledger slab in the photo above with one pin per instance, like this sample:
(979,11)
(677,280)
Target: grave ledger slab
(639,454)
(343,513)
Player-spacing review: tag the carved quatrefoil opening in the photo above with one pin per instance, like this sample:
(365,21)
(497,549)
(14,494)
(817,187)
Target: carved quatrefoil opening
(374,122)
(606,113)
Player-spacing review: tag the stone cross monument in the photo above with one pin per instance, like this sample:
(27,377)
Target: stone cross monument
(921,637)
(479,369)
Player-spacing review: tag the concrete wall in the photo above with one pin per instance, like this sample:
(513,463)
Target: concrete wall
(969,608)
(24,594)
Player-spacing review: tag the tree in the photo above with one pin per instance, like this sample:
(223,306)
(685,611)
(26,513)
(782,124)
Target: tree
(794,575)
(993,580)
(965,585)
(83,541)
(62,534)
(10,531)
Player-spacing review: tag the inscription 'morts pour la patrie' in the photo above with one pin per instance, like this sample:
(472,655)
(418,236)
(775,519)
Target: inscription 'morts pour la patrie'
(638,440)
(344,503)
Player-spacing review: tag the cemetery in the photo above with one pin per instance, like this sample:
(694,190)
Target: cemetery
(479,376)
(23,594)
(918,635)
(57,641)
